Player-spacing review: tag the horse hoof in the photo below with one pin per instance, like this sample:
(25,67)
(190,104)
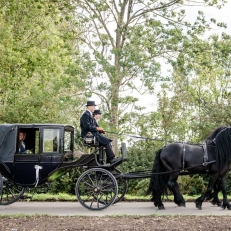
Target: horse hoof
(161,207)
(213,203)
(219,204)
(181,205)
(199,206)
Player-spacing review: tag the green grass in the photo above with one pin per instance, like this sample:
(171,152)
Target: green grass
(67,197)
(49,197)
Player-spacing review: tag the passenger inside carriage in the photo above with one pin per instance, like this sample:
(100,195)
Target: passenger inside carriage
(28,141)
(22,145)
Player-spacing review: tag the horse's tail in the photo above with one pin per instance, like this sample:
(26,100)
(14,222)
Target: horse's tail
(158,182)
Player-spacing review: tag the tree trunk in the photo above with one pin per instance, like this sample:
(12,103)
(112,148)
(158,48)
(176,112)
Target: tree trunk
(114,118)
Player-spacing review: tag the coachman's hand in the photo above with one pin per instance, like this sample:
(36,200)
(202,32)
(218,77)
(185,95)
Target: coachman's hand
(99,129)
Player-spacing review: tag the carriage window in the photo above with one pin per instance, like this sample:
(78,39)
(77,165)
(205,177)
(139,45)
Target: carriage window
(51,140)
(31,140)
(67,141)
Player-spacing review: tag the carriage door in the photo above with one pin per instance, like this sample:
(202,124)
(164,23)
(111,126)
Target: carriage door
(50,150)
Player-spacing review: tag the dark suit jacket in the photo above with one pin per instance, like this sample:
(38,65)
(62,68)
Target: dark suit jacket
(95,122)
(88,124)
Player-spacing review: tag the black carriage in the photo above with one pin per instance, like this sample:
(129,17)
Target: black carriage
(48,155)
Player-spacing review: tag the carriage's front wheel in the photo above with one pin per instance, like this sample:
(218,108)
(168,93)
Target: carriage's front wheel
(9,192)
(96,189)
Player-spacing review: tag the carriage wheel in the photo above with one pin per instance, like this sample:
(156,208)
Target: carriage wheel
(1,184)
(122,186)
(96,189)
(9,192)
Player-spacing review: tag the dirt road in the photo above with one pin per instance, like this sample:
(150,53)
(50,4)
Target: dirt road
(71,216)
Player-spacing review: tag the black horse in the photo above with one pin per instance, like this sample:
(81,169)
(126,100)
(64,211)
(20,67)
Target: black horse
(176,159)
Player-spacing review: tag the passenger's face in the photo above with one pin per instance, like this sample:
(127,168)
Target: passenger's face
(97,116)
(21,136)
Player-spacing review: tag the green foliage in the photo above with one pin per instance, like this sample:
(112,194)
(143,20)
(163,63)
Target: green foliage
(140,158)
(36,61)
(66,183)
(192,185)
(228,186)
(140,188)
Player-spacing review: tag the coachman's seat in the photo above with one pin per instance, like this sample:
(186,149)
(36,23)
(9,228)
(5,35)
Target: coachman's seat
(91,141)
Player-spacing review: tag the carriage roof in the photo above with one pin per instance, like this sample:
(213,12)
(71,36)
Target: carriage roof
(9,133)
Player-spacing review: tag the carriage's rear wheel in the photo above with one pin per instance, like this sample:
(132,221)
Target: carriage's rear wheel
(122,185)
(1,184)
(9,193)
(96,189)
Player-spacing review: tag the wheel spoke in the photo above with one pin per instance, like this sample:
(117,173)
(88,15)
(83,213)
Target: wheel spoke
(86,183)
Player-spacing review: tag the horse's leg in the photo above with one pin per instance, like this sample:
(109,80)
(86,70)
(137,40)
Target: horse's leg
(214,195)
(226,203)
(211,184)
(158,202)
(173,186)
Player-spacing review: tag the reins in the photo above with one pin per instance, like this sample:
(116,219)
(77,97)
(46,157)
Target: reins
(147,138)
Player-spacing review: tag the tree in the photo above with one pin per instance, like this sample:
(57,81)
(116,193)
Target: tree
(202,82)
(39,61)
(126,39)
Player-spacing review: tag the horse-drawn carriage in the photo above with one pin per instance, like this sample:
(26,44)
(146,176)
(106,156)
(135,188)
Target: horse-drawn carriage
(48,155)
(50,150)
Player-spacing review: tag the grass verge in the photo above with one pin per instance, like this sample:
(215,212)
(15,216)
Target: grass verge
(67,197)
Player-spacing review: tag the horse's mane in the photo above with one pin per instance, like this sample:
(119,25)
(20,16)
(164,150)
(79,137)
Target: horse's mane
(215,132)
(223,147)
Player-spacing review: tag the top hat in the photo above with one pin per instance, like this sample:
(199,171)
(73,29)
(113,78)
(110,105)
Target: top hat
(97,112)
(91,103)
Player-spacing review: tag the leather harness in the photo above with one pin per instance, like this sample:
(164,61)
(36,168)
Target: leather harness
(205,157)
(204,146)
